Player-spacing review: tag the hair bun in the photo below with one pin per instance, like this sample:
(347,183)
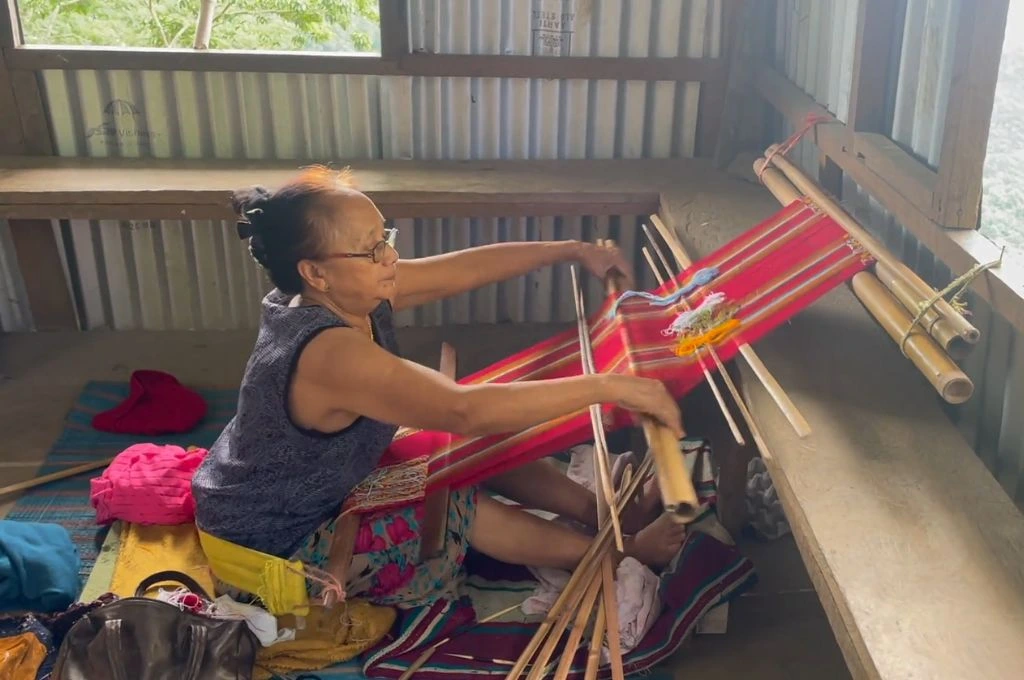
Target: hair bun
(244,200)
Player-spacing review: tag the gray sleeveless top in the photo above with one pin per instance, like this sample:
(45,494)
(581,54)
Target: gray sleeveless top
(266,483)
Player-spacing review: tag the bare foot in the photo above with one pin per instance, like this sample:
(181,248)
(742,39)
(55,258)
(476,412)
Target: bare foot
(644,509)
(658,542)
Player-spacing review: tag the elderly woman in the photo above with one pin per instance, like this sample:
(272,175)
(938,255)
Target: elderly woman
(326,389)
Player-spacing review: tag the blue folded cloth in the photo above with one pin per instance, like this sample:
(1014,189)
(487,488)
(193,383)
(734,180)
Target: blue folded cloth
(39,567)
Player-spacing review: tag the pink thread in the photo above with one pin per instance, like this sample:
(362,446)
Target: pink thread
(333,590)
(810,121)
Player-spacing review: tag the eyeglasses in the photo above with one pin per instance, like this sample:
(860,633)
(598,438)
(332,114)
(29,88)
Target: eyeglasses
(379,250)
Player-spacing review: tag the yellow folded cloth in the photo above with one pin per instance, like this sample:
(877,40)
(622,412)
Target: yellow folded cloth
(145,550)
(330,636)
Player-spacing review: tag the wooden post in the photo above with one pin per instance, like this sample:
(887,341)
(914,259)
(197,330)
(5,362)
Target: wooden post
(713,94)
(435,505)
(394,28)
(879,23)
(24,130)
(42,271)
(979,48)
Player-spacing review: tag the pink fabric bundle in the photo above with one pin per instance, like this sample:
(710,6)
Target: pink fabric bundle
(147,484)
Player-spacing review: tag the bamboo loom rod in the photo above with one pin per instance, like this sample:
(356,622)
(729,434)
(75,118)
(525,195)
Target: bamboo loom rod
(602,476)
(571,593)
(712,352)
(677,491)
(722,406)
(803,183)
(937,326)
(435,505)
(936,366)
(771,385)
(755,432)
(603,582)
(54,476)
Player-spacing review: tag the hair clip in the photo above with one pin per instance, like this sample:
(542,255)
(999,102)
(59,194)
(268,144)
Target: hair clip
(246,229)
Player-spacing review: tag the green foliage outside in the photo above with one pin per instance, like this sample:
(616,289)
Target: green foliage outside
(310,25)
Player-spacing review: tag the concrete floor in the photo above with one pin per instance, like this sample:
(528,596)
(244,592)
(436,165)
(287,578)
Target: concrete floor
(778,631)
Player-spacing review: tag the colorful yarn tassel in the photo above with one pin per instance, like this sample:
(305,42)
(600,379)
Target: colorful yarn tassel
(688,319)
(701,278)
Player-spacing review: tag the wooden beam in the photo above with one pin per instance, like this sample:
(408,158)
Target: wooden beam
(43,273)
(876,30)
(681,69)
(979,48)
(31,58)
(394,28)
(10,24)
(12,139)
(713,95)
(32,118)
(872,158)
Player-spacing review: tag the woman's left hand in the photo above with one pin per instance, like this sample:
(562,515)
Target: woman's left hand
(602,260)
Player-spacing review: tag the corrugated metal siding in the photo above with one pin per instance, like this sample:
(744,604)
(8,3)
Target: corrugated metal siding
(814,47)
(990,421)
(188,275)
(925,75)
(204,283)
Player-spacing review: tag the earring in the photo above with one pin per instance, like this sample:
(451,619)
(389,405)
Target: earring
(327,287)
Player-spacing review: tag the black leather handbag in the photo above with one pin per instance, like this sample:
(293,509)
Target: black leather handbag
(139,638)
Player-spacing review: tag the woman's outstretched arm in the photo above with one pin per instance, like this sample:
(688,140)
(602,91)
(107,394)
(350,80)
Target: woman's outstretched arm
(341,371)
(433,278)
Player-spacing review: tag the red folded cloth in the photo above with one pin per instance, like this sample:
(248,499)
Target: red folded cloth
(157,404)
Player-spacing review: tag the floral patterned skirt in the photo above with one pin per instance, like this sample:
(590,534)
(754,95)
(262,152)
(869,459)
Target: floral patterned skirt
(385,567)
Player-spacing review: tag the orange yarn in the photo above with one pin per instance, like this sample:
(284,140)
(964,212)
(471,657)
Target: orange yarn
(689,345)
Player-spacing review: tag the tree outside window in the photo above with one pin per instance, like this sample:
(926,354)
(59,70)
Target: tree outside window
(344,26)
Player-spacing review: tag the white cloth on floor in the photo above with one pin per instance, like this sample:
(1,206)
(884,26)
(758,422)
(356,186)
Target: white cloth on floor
(262,623)
(636,586)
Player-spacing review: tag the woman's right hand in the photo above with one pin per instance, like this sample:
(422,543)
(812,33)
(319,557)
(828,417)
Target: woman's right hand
(650,397)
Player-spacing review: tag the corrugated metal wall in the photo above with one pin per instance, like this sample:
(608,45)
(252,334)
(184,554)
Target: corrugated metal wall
(201,280)
(918,105)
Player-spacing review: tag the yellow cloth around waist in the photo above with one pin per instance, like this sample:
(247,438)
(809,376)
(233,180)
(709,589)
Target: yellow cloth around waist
(279,583)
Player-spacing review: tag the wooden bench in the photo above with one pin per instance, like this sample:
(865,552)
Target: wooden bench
(915,551)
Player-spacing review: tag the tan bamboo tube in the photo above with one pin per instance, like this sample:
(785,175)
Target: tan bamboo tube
(578,627)
(678,494)
(938,327)
(945,376)
(804,183)
(951,383)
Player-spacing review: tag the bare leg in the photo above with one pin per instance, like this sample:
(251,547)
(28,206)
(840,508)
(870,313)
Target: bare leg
(517,537)
(540,485)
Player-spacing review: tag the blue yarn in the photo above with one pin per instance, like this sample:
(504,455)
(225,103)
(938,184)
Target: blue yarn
(701,277)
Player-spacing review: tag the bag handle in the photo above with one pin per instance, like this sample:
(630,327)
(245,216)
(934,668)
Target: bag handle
(172,576)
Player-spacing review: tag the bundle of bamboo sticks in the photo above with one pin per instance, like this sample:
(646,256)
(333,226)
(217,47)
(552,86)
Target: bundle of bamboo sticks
(892,293)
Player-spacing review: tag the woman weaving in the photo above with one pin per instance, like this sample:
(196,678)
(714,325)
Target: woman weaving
(325,390)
